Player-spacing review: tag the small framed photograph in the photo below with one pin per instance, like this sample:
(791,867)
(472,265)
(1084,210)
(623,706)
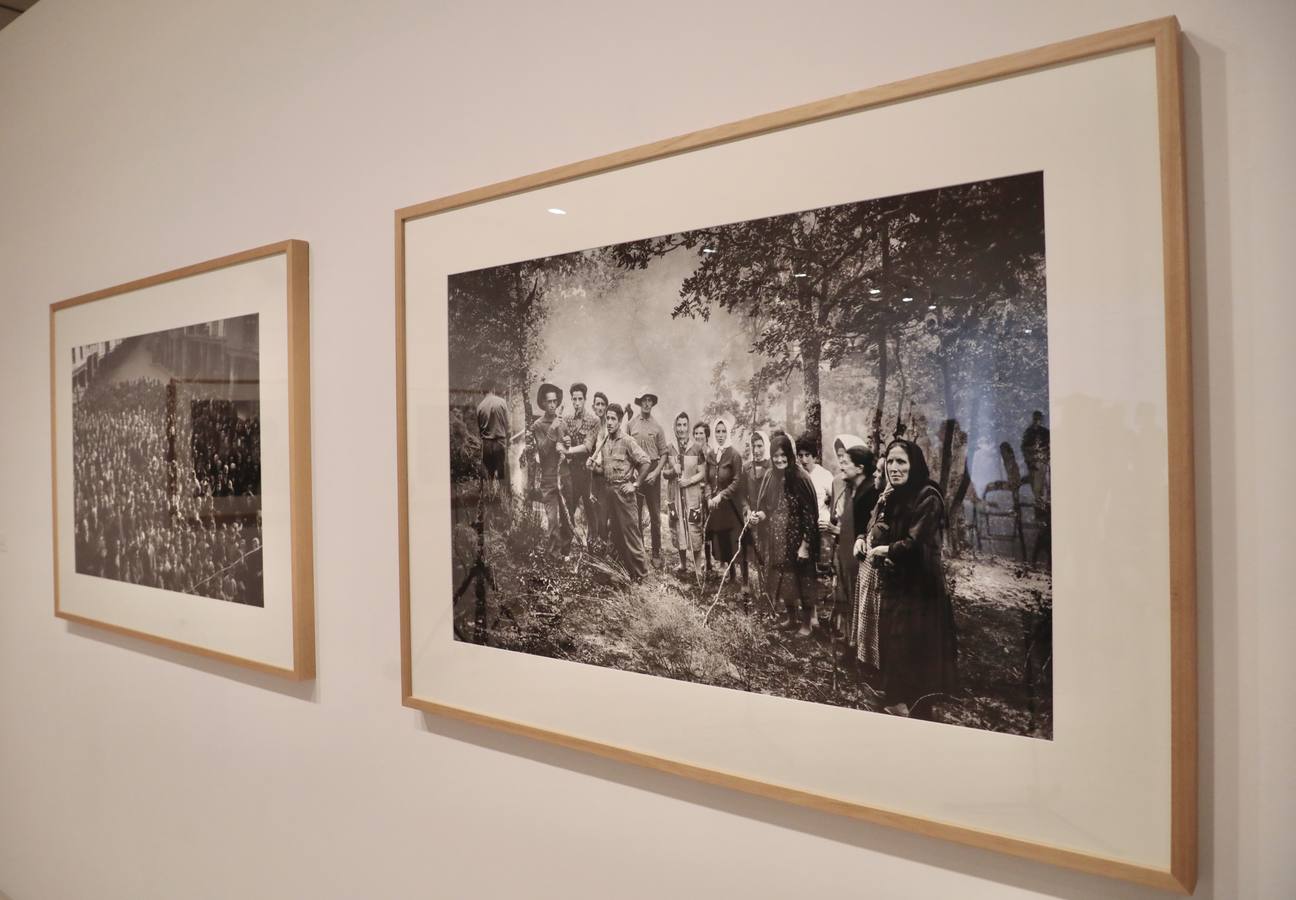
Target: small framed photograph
(841,455)
(180,426)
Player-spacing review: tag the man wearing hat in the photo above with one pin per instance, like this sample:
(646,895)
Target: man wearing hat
(652,440)
(548,438)
(624,466)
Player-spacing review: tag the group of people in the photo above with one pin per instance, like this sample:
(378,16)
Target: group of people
(225,447)
(146,484)
(867,543)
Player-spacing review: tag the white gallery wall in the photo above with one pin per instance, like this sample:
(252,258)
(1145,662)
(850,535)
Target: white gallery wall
(143,135)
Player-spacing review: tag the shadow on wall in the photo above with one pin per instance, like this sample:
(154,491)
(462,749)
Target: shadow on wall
(301,690)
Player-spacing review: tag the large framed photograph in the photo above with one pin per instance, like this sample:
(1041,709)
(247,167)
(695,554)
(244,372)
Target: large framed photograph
(808,453)
(180,418)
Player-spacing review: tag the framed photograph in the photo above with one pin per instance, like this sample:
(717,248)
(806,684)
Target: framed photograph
(180,426)
(810,453)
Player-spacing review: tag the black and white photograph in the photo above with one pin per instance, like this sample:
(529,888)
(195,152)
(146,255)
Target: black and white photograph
(804,455)
(166,456)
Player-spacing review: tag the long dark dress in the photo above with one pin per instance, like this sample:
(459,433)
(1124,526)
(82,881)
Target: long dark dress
(725,477)
(918,643)
(754,540)
(792,512)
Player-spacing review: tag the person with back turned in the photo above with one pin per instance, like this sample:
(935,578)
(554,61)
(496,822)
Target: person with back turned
(493,427)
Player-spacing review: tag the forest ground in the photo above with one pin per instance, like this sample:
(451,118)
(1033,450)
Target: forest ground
(584,609)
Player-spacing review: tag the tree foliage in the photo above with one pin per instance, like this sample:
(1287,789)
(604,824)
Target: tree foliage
(498,317)
(823,284)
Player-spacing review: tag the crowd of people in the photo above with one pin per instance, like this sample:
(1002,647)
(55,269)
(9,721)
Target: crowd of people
(147,480)
(225,447)
(864,545)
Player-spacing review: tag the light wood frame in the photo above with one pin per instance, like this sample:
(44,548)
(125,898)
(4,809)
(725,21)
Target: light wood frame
(300,555)
(1165,37)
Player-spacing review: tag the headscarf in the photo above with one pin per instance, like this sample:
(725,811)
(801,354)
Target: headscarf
(919,473)
(683,414)
(728,429)
(764,438)
(846,441)
(786,444)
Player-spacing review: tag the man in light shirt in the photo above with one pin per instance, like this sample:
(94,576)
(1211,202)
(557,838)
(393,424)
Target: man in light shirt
(808,451)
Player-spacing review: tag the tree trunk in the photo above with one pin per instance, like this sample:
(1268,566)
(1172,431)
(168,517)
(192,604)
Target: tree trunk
(523,387)
(876,436)
(964,480)
(527,462)
(810,356)
(951,422)
(904,393)
(956,514)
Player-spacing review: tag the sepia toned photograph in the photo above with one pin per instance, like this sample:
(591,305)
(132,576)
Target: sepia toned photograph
(166,456)
(806,455)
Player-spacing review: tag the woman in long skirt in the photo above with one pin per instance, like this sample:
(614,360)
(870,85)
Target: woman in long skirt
(867,602)
(753,538)
(842,581)
(727,506)
(918,644)
(859,495)
(693,490)
(790,510)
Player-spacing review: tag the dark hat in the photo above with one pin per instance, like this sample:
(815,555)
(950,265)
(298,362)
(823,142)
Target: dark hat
(644,392)
(545,389)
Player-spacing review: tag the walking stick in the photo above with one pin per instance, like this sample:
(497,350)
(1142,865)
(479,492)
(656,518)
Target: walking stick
(725,575)
(832,649)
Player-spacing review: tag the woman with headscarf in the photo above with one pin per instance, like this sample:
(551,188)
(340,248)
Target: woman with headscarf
(918,645)
(866,605)
(789,509)
(753,540)
(859,495)
(727,507)
(841,600)
(693,488)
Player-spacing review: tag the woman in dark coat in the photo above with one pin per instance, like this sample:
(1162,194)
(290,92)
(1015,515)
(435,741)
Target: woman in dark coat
(790,509)
(753,538)
(859,496)
(917,640)
(727,505)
